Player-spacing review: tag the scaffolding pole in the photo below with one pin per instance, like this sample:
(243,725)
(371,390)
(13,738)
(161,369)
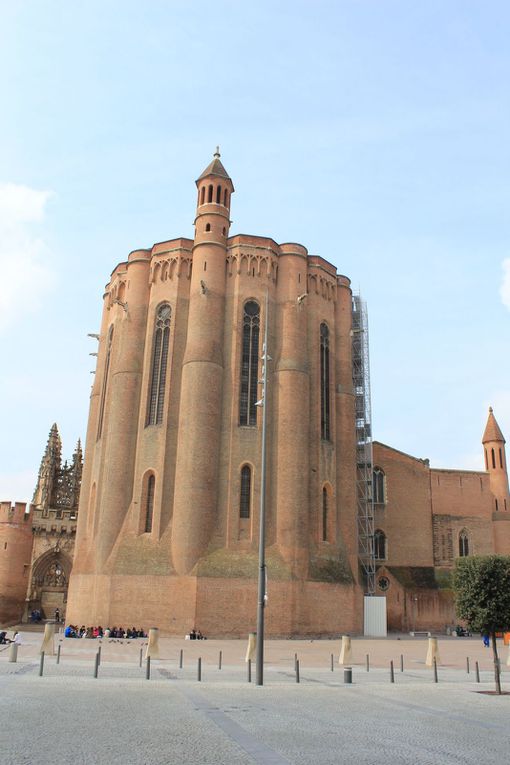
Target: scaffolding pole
(361,384)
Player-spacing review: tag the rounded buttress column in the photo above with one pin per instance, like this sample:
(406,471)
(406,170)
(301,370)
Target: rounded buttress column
(120,423)
(198,446)
(292,408)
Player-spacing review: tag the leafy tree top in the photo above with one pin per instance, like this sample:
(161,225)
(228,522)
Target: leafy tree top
(482,592)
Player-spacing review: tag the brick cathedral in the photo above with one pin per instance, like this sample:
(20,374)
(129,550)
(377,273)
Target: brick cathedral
(167,530)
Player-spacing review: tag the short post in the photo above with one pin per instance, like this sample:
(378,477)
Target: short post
(401,662)
(332,663)
(13,653)
(99,654)
(435,670)
(41,664)
(297,670)
(219,660)
(467,664)
(148,668)
(348,675)
(58,652)
(295,661)
(181,658)
(199,669)
(368,662)
(96,664)
(141,656)
(392,672)
(249,670)
(477,670)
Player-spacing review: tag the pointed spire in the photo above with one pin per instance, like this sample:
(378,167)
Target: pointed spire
(492,430)
(215,167)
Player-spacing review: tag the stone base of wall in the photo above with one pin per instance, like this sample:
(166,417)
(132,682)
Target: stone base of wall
(217,607)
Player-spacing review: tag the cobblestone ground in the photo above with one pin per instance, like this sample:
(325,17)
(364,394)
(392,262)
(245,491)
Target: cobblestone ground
(121,717)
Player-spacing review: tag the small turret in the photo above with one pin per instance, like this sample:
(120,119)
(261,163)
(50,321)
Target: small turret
(50,466)
(15,555)
(215,188)
(495,463)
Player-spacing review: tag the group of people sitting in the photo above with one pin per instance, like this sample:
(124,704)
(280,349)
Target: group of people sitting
(196,635)
(98,632)
(4,640)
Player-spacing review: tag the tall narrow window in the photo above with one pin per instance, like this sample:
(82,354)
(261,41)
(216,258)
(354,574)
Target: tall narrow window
(105,383)
(325,424)
(493,458)
(158,366)
(486,462)
(249,364)
(202,195)
(245,495)
(324,515)
(149,502)
(209,193)
(378,486)
(380,545)
(500,459)
(463,544)
(218,195)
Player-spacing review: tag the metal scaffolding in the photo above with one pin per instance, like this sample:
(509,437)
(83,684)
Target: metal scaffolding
(361,383)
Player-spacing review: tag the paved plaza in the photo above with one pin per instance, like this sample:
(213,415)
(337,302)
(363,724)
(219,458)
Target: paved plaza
(121,717)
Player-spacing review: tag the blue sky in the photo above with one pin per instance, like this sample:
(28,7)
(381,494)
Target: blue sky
(374,132)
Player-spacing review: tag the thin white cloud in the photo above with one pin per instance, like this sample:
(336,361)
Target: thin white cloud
(24,267)
(504,290)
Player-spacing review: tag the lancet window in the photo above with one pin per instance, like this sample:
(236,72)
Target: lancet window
(245,494)
(378,481)
(463,544)
(380,545)
(325,509)
(325,392)
(149,501)
(249,364)
(105,382)
(156,398)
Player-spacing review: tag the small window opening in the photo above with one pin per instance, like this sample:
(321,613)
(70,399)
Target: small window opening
(209,193)
(224,231)
(205,265)
(486,460)
(497,508)
(202,195)
(207,226)
(500,459)
(225,197)
(493,458)
(218,195)
(245,495)
(324,515)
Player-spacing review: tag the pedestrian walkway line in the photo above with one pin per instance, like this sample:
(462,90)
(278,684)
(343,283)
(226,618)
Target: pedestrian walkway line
(261,754)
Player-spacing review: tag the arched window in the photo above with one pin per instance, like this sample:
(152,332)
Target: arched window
(148,501)
(245,494)
(463,544)
(378,481)
(202,195)
(209,193)
(158,366)
(225,197)
(207,226)
(218,195)
(380,545)
(324,348)
(493,458)
(249,364)
(324,515)
(105,382)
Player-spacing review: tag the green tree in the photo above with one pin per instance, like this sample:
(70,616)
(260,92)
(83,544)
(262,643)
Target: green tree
(482,597)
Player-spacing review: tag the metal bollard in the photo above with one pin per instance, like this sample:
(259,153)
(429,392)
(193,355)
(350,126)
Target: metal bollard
(41,665)
(58,653)
(392,672)
(141,656)
(219,660)
(297,670)
(99,654)
(199,670)
(435,670)
(401,662)
(332,663)
(295,661)
(96,665)
(13,653)
(467,664)
(249,670)
(348,675)
(368,663)
(148,668)
(477,669)
(180,658)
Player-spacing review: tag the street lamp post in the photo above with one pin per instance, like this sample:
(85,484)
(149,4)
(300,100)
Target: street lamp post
(262,519)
